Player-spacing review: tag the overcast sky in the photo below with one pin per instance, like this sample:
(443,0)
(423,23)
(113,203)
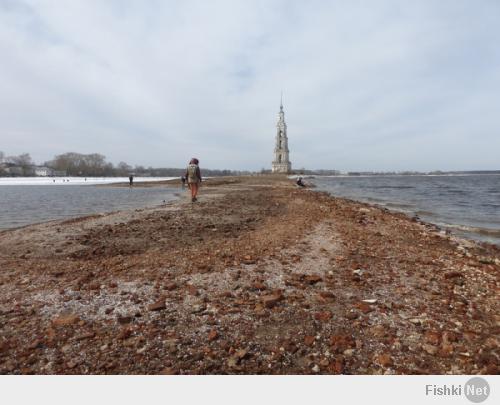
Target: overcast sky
(368,85)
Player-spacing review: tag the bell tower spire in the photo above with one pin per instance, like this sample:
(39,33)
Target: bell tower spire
(281,162)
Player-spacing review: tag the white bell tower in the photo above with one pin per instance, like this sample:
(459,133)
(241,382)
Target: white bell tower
(281,162)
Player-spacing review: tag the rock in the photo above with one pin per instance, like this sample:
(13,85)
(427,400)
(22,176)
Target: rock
(170,286)
(432,337)
(65,320)
(192,290)
(452,274)
(271,300)
(315,369)
(197,308)
(66,349)
(236,358)
(125,333)
(83,336)
(348,352)
(430,349)
(313,279)
(158,305)
(385,360)
(122,320)
(212,335)
(364,307)
(258,285)
(72,364)
(327,294)
(34,345)
(337,366)
(323,316)
(309,340)
(339,343)
(378,331)
(4,345)
(351,315)
(370,301)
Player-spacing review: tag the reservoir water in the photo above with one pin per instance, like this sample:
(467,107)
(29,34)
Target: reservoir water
(24,204)
(468,205)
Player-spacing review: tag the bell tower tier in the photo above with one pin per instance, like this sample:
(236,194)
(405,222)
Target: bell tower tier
(281,162)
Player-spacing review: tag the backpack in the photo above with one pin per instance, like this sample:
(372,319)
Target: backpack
(192,175)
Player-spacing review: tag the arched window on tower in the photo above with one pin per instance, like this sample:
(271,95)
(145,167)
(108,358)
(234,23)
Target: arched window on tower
(279,158)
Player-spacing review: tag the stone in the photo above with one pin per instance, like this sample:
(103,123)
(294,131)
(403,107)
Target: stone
(192,290)
(197,308)
(327,294)
(339,343)
(430,349)
(83,336)
(364,307)
(432,337)
(323,316)
(170,286)
(313,279)
(66,349)
(271,300)
(258,285)
(385,360)
(66,320)
(315,369)
(212,335)
(158,305)
(34,345)
(452,274)
(4,345)
(309,340)
(370,301)
(122,320)
(125,333)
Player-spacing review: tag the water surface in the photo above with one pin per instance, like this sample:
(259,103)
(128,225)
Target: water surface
(26,204)
(469,205)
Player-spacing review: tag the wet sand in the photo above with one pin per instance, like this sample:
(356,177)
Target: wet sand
(256,277)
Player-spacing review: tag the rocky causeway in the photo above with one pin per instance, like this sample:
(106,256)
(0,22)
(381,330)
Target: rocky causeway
(257,277)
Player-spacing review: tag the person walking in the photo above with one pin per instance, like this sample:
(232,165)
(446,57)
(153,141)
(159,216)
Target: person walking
(193,176)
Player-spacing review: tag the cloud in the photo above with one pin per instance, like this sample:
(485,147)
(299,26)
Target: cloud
(368,85)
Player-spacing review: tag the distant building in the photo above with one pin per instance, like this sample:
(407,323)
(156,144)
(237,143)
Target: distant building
(42,171)
(281,162)
(59,173)
(12,170)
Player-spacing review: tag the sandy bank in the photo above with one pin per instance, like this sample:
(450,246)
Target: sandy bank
(258,277)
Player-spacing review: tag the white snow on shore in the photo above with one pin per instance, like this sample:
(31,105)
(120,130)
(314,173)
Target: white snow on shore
(68,181)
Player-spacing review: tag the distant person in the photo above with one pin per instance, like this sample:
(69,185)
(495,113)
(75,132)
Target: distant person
(130,180)
(300,183)
(193,176)
(183,181)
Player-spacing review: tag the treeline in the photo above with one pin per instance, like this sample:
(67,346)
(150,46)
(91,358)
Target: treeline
(90,165)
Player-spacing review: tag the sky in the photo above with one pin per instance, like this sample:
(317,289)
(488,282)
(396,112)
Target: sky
(367,85)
